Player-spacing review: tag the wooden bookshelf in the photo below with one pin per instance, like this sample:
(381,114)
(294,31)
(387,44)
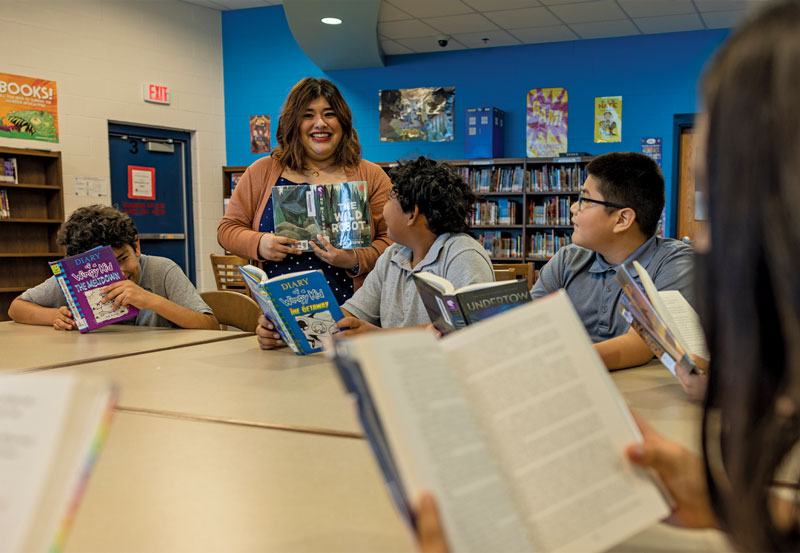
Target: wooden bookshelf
(544,180)
(228,175)
(28,236)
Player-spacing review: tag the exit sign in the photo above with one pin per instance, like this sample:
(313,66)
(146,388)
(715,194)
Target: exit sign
(155,93)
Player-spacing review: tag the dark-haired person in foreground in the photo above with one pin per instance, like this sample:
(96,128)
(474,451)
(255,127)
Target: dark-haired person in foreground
(427,216)
(154,285)
(615,220)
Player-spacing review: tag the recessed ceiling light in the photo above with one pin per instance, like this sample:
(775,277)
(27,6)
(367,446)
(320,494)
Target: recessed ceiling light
(331,20)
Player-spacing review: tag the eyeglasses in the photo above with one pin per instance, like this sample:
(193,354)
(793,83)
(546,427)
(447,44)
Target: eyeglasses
(581,199)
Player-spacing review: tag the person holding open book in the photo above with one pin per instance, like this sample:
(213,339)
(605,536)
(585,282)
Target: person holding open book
(154,285)
(317,145)
(615,220)
(427,217)
(746,481)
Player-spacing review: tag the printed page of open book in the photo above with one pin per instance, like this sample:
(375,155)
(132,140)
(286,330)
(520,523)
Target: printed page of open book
(32,413)
(556,425)
(687,321)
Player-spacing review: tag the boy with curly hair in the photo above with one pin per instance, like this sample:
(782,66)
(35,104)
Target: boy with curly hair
(427,216)
(154,285)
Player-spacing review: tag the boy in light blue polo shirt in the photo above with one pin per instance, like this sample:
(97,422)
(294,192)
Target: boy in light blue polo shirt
(615,220)
(427,216)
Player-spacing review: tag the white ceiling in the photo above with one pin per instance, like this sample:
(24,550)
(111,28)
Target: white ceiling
(414,26)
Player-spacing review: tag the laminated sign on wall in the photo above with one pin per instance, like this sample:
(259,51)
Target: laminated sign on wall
(141,183)
(28,108)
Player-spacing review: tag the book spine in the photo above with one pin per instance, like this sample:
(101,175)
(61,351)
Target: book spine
(69,296)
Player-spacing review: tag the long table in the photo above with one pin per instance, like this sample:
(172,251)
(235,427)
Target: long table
(233,381)
(33,347)
(171,485)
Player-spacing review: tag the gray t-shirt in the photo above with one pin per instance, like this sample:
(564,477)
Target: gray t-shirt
(389,296)
(591,284)
(158,275)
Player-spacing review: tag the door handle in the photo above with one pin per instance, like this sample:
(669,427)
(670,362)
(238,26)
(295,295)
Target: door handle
(687,240)
(176,236)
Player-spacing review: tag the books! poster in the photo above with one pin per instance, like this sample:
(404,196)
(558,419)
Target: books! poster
(608,119)
(417,114)
(547,122)
(28,108)
(259,134)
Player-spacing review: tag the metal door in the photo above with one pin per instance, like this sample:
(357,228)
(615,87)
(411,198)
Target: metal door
(149,175)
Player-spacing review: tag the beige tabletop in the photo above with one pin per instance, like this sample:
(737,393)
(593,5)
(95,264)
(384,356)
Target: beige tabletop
(236,381)
(171,485)
(26,347)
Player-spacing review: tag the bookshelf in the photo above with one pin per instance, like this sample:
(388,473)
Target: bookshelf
(28,235)
(522,214)
(230,176)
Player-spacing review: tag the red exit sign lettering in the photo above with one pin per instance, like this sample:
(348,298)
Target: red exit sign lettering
(156,93)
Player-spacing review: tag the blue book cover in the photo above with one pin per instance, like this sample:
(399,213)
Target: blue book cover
(300,305)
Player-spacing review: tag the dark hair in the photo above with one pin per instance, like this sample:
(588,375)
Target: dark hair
(633,180)
(290,151)
(96,225)
(750,297)
(437,190)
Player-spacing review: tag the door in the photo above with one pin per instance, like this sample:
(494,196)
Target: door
(149,175)
(691,207)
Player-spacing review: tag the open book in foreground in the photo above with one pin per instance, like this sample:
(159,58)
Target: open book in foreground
(451,309)
(300,305)
(663,319)
(514,424)
(52,427)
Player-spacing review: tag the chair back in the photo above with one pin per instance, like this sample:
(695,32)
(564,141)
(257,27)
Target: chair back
(518,271)
(226,274)
(233,309)
(503,274)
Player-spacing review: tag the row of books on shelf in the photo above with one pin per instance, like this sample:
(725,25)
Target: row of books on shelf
(554,211)
(497,212)
(547,178)
(5,209)
(8,170)
(544,245)
(501,244)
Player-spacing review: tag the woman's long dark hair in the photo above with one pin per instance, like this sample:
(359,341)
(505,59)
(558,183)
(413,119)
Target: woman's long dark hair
(290,151)
(749,287)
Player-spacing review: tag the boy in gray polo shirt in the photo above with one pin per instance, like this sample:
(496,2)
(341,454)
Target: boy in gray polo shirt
(154,285)
(427,216)
(615,220)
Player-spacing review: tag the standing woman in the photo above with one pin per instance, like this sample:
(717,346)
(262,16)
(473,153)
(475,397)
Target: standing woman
(317,144)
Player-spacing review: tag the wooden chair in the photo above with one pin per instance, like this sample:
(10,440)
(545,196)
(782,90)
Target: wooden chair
(226,275)
(503,274)
(517,270)
(233,309)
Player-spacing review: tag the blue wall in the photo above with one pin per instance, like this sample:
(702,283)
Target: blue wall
(656,75)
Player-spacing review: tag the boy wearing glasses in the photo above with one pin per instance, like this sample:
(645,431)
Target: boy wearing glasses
(615,220)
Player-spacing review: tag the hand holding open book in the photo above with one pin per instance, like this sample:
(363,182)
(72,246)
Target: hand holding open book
(667,324)
(521,442)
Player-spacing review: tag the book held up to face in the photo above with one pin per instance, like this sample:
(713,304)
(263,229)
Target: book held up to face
(82,278)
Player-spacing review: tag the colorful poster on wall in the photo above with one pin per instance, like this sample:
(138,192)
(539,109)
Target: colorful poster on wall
(259,134)
(28,108)
(651,147)
(547,122)
(608,119)
(417,114)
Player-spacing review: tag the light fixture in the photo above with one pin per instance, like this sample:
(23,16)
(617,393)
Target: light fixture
(331,20)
